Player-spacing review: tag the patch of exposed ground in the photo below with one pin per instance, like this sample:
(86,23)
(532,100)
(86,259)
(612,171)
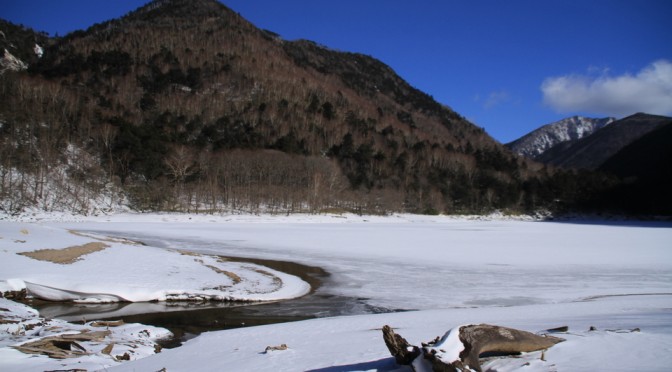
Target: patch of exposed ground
(67,255)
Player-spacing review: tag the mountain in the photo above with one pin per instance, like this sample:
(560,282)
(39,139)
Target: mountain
(185,105)
(565,131)
(592,151)
(645,166)
(649,156)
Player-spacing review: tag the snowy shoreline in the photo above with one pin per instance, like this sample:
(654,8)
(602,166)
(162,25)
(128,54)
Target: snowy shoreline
(519,273)
(112,272)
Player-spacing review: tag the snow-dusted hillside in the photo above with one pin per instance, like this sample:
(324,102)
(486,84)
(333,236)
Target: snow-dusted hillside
(538,141)
(78,185)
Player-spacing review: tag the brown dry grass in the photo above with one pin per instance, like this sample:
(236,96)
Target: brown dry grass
(277,281)
(66,255)
(188,253)
(233,276)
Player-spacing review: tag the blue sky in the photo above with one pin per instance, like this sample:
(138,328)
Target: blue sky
(508,66)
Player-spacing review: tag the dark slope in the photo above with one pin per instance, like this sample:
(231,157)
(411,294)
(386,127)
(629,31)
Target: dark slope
(645,166)
(592,151)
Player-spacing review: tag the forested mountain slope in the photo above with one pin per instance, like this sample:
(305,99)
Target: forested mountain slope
(184,105)
(189,97)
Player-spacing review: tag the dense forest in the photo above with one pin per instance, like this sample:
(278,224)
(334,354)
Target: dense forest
(185,106)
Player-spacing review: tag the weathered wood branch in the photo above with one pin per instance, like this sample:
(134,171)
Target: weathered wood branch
(403,352)
(461,347)
(63,346)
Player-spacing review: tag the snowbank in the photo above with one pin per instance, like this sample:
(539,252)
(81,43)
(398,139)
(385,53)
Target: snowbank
(104,269)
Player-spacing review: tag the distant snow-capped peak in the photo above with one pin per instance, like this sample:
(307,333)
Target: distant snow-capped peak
(540,140)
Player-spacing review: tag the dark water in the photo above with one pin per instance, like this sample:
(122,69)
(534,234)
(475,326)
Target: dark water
(188,319)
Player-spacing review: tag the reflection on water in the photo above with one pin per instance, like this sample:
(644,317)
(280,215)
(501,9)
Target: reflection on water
(187,324)
(188,319)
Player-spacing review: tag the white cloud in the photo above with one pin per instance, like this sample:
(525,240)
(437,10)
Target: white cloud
(496,98)
(649,91)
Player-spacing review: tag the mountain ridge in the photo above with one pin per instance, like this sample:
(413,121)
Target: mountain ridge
(542,139)
(592,151)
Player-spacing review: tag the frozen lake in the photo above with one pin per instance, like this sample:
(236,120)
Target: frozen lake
(616,276)
(416,262)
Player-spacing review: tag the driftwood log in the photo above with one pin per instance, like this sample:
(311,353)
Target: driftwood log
(63,346)
(403,352)
(460,348)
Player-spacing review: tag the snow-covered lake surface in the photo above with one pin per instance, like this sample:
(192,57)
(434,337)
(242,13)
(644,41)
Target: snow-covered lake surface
(517,273)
